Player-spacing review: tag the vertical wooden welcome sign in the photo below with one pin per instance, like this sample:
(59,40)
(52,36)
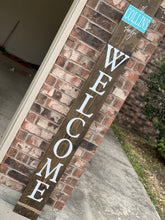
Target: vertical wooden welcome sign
(83,111)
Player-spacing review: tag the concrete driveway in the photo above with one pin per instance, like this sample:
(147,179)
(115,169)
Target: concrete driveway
(108,190)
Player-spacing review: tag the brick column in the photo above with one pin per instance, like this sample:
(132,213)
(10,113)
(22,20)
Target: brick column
(72,68)
(135,101)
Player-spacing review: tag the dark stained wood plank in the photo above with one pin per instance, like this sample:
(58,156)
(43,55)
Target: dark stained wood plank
(150,6)
(120,41)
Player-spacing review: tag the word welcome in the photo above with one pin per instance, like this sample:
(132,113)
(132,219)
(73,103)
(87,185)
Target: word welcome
(136,18)
(102,83)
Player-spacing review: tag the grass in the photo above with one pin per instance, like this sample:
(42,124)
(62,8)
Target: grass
(147,164)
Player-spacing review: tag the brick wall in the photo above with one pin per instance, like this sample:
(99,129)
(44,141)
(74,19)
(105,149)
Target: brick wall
(131,114)
(73,66)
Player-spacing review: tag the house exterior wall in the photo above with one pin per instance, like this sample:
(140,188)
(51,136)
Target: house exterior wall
(135,101)
(80,53)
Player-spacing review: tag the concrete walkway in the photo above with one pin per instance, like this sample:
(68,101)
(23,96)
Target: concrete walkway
(108,190)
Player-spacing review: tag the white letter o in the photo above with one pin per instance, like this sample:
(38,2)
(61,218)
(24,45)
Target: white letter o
(57,145)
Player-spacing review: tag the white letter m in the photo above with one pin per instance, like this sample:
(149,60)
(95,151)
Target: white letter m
(48,172)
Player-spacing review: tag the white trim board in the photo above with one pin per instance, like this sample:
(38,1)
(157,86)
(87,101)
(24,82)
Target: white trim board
(41,75)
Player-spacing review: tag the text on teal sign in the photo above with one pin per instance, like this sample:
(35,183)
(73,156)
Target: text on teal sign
(136,18)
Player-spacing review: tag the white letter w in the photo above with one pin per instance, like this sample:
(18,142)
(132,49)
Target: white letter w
(115,57)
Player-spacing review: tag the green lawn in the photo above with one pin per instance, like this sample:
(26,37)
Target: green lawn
(147,163)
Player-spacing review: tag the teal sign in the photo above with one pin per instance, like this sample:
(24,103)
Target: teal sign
(136,18)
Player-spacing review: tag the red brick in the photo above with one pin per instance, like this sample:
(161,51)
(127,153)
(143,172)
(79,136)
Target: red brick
(131,75)
(41,98)
(60,196)
(11,183)
(63,98)
(18,166)
(120,93)
(59,205)
(37,131)
(79,152)
(139,67)
(68,179)
(140,55)
(22,157)
(87,156)
(108,121)
(118,103)
(60,186)
(12,152)
(75,81)
(31,117)
(128,86)
(160,15)
(44,123)
(150,48)
(152,36)
(109,99)
(153,23)
(88,146)
(71,42)
(33,140)
(84,49)
(33,162)
(88,39)
(68,189)
(50,80)
(53,104)
(98,128)
(18,176)
(108,110)
(67,89)
(97,139)
(98,32)
(35,152)
(142,43)
(78,162)
(89,134)
(77,70)
(130,63)
(3,168)
(61,61)
(50,202)
(31,128)
(163,4)
(69,169)
(77,173)
(21,145)
(110,12)
(77,57)
(120,4)
(120,82)
(52,116)
(99,19)
(161,29)
(99,117)
(44,146)
(22,134)
(92,3)
(47,90)
(82,22)
(36,108)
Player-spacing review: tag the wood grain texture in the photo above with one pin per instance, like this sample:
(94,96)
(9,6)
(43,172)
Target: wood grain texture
(118,40)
